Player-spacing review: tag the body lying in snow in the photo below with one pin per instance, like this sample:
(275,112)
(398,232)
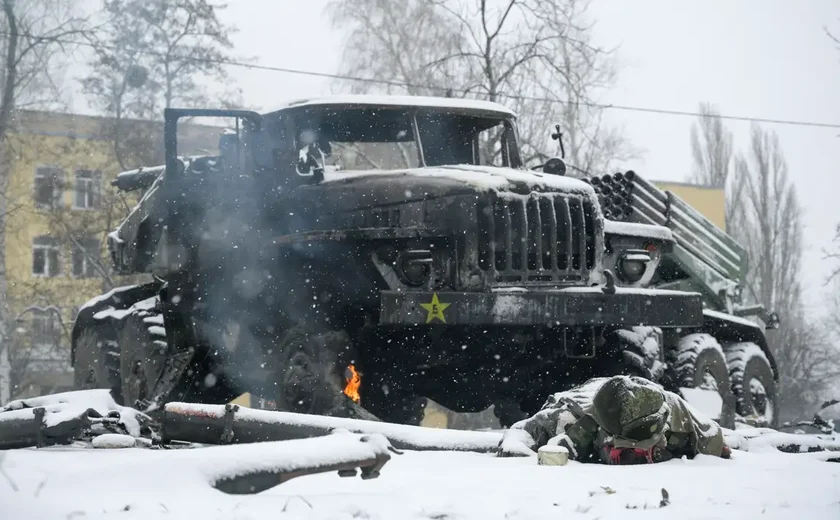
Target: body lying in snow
(617,420)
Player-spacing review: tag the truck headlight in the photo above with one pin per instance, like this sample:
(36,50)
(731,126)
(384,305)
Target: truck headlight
(632,265)
(414,266)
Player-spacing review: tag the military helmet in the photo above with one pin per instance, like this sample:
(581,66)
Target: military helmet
(631,410)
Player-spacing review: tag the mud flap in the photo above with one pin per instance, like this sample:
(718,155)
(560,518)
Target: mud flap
(174,368)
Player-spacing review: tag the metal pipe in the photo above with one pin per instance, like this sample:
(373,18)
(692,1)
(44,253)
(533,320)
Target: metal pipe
(222,424)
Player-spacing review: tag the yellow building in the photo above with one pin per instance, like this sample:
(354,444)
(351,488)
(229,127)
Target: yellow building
(708,200)
(60,208)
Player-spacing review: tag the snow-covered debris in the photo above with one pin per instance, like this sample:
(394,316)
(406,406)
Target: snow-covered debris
(113,441)
(764,439)
(98,399)
(237,469)
(205,423)
(64,417)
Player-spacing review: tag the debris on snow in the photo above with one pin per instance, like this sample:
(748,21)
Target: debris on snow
(748,438)
(207,424)
(550,455)
(251,468)
(113,441)
(65,417)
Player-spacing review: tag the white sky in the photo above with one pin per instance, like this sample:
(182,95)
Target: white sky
(759,58)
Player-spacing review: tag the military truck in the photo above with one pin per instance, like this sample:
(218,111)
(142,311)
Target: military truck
(357,254)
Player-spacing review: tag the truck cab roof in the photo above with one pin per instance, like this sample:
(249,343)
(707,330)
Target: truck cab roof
(427,102)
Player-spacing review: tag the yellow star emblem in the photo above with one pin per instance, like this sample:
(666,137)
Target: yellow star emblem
(435,309)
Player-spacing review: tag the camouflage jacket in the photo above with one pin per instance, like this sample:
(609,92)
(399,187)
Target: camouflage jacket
(568,419)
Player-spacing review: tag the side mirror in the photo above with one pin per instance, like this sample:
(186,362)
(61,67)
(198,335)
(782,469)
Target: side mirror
(554,166)
(772,321)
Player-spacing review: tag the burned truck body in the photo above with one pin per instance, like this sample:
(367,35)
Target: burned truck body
(359,252)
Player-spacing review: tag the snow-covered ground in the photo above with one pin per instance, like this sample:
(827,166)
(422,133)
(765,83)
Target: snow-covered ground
(136,483)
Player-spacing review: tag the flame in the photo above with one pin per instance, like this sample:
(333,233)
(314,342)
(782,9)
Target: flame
(354,381)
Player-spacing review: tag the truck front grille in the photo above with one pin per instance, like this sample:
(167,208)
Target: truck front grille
(541,237)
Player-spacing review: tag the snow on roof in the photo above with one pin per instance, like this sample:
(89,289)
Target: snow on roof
(397,101)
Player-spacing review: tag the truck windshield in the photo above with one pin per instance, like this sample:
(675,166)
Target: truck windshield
(385,138)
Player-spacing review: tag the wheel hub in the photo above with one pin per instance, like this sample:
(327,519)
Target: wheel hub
(761,403)
(709,382)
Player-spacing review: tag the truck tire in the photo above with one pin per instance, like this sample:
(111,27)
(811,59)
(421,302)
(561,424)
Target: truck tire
(311,377)
(142,354)
(639,349)
(97,363)
(698,362)
(753,383)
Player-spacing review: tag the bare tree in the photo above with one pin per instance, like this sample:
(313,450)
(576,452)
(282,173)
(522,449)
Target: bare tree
(152,55)
(711,148)
(711,151)
(32,36)
(832,255)
(768,222)
(536,56)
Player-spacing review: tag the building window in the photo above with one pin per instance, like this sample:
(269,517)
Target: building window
(85,256)
(48,186)
(45,257)
(45,327)
(86,191)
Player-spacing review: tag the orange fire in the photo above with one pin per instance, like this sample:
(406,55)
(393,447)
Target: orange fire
(354,381)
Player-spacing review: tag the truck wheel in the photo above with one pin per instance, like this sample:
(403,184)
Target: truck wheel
(639,351)
(752,383)
(698,362)
(97,362)
(310,377)
(142,354)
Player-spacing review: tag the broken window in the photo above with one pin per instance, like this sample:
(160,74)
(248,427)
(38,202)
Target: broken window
(86,192)
(48,186)
(45,257)
(85,256)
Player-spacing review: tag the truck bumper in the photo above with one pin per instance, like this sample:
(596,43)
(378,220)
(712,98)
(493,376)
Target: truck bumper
(562,307)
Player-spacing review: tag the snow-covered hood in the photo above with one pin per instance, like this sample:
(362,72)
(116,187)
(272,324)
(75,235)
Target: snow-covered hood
(478,178)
